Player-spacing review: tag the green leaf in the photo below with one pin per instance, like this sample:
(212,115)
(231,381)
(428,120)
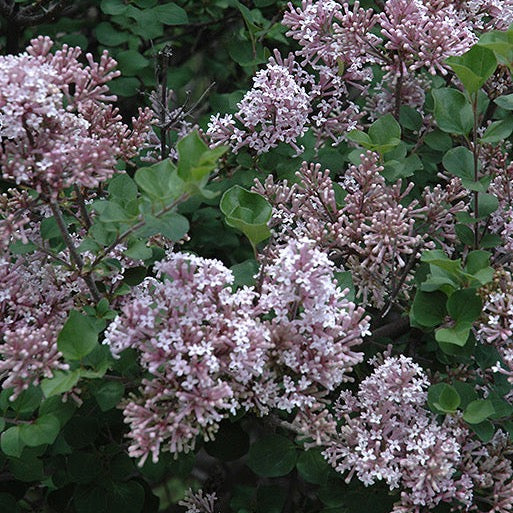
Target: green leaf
(195,159)
(478,411)
(125,497)
(138,250)
(465,234)
(160,181)
(498,131)
(345,281)
(28,401)
(247,211)
(173,226)
(55,406)
(484,276)
(360,137)
(171,14)
(19,248)
(124,86)
(428,308)
(272,456)
(312,467)
(490,240)
(438,140)
(505,102)
(111,212)
(11,442)
(60,382)
(410,118)
(484,430)
(477,260)
(27,469)
(452,111)
(385,131)
(459,161)
(464,305)
(49,228)
(443,398)
(244,273)
(487,204)
(78,336)
(457,335)
(438,258)
(474,67)
(131,62)
(109,36)
(122,188)
(83,467)
(89,499)
(231,442)
(113,7)
(108,394)
(271,499)
(43,431)
(466,392)
(500,42)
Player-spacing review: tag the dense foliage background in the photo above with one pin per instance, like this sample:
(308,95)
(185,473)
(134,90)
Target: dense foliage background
(333,337)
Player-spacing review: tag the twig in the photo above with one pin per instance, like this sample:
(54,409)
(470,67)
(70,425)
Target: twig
(83,210)
(75,256)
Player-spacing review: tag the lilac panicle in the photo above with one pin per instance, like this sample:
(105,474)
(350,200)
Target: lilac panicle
(314,328)
(372,231)
(53,136)
(200,342)
(275,110)
(197,502)
(34,303)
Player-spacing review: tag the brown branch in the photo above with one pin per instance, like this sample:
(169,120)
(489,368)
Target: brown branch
(74,255)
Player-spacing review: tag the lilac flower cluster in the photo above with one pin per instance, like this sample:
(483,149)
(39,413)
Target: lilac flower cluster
(372,231)
(424,33)
(393,438)
(275,110)
(198,502)
(339,44)
(34,303)
(56,126)
(211,351)
(496,323)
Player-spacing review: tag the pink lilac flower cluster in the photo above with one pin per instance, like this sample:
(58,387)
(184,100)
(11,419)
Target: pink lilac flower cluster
(338,46)
(56,125)
(422,33)
(202,345)
(211,351)
(502,188)
(393,438)
(496,323)
(197,502)
(34,303)
(370,230)
(275,110)
(313,329)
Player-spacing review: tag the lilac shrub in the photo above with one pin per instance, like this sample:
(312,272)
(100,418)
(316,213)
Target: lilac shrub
(125,280)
